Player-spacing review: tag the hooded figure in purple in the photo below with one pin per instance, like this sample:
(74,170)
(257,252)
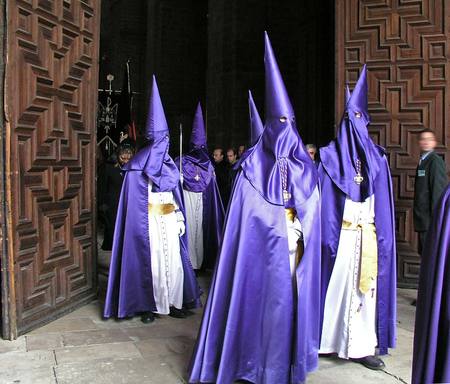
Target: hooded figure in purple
(256,129)
(431,358)
(150,270)
(261,321)
(358,240)
(204,209)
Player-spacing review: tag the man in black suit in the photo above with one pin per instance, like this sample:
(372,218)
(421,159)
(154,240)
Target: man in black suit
(221,170)
(430,182)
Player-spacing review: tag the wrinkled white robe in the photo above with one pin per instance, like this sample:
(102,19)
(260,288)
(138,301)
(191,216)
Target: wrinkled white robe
(349,325)
(294,232)
(193,202)
(167,267)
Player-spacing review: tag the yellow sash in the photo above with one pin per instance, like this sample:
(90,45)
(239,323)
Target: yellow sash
(160,209)
(369,253)
(291,214)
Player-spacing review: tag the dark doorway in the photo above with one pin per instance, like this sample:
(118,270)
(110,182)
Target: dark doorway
(212,52)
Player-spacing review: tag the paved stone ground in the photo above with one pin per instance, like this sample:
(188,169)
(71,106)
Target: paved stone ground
(82,348)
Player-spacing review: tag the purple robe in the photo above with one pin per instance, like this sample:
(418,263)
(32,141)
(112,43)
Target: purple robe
(197,162)
(130,288)
(258,325)
(249,329)
(333,201)
(431,358)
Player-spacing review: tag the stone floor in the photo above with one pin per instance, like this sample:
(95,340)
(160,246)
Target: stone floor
(83,348)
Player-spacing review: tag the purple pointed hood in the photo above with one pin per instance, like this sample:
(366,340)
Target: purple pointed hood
(353,149)
(256,125)
(154,159)
(347,94)
(198,135)
(279,160)
(197,167)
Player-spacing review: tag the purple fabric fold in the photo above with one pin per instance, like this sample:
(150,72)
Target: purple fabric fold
(431,357)
(251,328)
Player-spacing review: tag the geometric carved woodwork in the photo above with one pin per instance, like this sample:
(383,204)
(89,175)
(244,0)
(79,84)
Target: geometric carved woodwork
(51,99)
(405,44)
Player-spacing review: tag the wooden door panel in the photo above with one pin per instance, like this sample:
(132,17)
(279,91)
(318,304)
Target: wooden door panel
(405,44)
(51,92)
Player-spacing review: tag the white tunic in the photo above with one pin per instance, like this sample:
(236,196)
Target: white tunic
(294,231)
(167,267)
(193,202)
(349,326)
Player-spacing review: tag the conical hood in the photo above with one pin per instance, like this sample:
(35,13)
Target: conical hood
(279,166)
(358,99)
(197,167)
(352,159)
(156,119)
(347,94)
(277,100)
(154,159)
(198,135)
(256,125)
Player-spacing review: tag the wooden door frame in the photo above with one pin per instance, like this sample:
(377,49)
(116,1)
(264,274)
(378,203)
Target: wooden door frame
(8,302)
(10,325)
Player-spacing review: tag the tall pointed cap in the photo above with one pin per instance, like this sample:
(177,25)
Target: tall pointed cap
(256,125)
(347,94)
(277,100)
(198,135)
(279,167)
(358,100)
(156,119)
(353,154)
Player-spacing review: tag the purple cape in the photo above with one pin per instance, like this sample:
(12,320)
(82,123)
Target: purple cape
(130,287)
(250,329)
(431,358)
(333,201)
(197,162)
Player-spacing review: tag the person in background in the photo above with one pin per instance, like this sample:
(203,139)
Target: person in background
(312,151)
(110,180)
(218,156)
(430,181)
(203,205)
(221,171)
(241,150)
(231,156)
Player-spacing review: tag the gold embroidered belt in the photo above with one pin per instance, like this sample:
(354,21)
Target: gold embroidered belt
(160,209)
(369,252)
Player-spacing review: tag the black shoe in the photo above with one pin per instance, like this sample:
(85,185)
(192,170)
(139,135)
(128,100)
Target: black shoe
(371,362)
(147,317)
(177,313)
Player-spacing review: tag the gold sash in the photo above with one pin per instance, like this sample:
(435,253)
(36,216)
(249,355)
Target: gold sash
(291,214)
(160,209)
(369,253)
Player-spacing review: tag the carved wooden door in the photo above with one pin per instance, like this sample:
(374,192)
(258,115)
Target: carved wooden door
(405,44)
(50,108)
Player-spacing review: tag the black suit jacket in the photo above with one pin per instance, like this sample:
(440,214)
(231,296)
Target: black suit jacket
(430,181)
